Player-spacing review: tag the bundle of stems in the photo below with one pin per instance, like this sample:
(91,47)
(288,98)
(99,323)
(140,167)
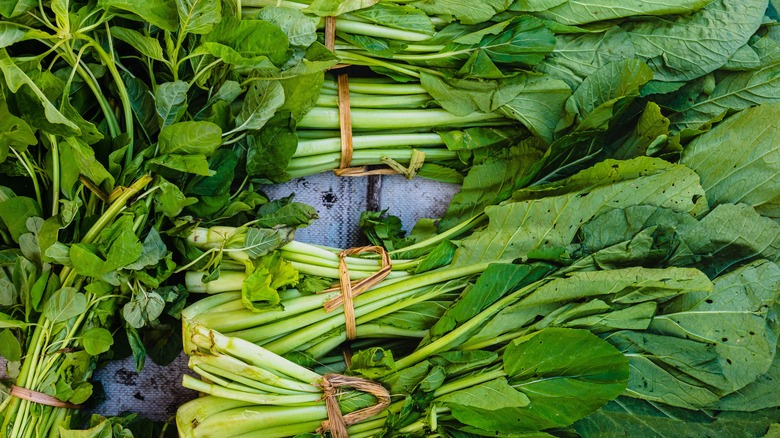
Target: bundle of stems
(391,123)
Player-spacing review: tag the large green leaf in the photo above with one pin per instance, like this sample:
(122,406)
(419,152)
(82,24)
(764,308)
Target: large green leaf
(301,30)
(566,374)
(637,418)
(14,132)
(160,13)
(739,160)
(492,181)
(251,39)
(602,95)
(735,90)
(261,101)
(190,138)
(576,56)
(588,11)
(690,46)
(550,216)
(465,12)
(147,45)
(198,16)
(401,17)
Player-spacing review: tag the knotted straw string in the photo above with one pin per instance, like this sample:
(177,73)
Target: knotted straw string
(350,290)
(40,398)
(337,423)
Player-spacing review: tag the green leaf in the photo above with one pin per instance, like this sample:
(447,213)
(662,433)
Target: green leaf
(137,346)
(120,244)
(440,256)
(588,11)
(270,151)
(170,101)
(13,8)
(301,93)
(260,290)
(161,13)
(96,340)
(577,56)
(100,430)
(466,13)
(143,103)
(602,95)
(261,241)
(300,29)
(84,158)
(190,138)
(689,46)
(10,348)
(493,181)
(394,16)
(566,374)
(198,16)
(325,8)
(762,393)
(143,309)
(148,46)
(169,199)
(540,105)
(492,405)
(14,213)
(14,132)
(196,164)
(747,174)
(543,217)
(733,320)
(86,261)
(153,250)
(65,304)
(15,78)
(261,101)
(249,39)
(632,417)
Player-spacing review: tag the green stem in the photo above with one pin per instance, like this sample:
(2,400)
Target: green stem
(307,147)
(55,159)
(28,166)
(363,119)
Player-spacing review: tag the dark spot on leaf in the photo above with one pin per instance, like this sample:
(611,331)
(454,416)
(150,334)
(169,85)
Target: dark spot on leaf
(725,339)
(728,361)
(695,198)
(708,301)
(752,333)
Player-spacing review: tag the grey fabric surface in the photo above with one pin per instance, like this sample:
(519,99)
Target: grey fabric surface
(156,392)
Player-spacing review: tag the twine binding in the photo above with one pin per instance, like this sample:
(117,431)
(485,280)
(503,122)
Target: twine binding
(337,423)
(40,398)
(351,289)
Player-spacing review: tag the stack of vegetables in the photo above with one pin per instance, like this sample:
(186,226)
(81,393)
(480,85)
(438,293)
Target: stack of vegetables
(609,267)
(562,250)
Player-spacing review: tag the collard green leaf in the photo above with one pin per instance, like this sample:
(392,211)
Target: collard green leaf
(689,46)
(576,56)
(300,29)
(161,13)
(96,340)
(142,102)
(539,105)
(466,13)
(763,393)
(260,290)
(326,8)
(261,101)
(198,16)
(492,405)
(65,304)
(84,158)
(147,45)
(153,250)
(734,320)
(632,417)
(543,217)
(588,11)
(13,8)
(86,261)
(565,373)
(739,160)
(170,101)
(492,181)
(190,138)
(401,17)
(734,90)
(651,130)
(196,164)
(602,95)
(291,214)
(261,241)
(301,93)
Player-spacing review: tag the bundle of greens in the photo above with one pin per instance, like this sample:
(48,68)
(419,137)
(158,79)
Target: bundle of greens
(654,259)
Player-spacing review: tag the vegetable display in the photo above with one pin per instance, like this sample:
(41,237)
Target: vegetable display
(609,267)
